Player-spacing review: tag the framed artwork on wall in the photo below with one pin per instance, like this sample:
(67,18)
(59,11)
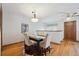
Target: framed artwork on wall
(24,28)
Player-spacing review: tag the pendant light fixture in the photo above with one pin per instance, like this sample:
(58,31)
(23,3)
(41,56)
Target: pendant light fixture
(70,17)
(34,18)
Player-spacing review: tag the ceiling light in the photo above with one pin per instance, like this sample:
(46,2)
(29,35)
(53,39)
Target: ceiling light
(34,18)
(70,19)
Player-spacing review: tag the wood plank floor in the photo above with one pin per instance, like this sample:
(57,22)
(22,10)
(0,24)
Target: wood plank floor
(66,48)
(15,49)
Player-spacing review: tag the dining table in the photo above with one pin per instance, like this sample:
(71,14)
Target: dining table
(37,39)
(37,46)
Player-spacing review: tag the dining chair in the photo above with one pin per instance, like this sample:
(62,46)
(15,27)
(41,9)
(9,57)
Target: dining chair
(28,45)
(45,45)
(28,42)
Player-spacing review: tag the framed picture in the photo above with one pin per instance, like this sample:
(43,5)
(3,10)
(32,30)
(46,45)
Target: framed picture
(24,28)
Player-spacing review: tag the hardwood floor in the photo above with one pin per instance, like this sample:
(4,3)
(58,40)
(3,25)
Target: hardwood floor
(15,49)
(66,48)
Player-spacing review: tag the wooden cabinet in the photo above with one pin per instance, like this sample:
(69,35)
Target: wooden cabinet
(70,30)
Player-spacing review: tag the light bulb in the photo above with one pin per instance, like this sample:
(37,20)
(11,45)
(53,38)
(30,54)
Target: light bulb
(34,20)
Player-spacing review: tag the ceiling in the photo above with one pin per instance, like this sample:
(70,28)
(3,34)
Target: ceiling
(44,10)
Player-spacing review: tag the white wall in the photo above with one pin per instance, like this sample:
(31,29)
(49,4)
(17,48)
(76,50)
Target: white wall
(57,37)
(12,27)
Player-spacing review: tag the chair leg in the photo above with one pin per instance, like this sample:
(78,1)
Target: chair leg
(49,49)
(45,54)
